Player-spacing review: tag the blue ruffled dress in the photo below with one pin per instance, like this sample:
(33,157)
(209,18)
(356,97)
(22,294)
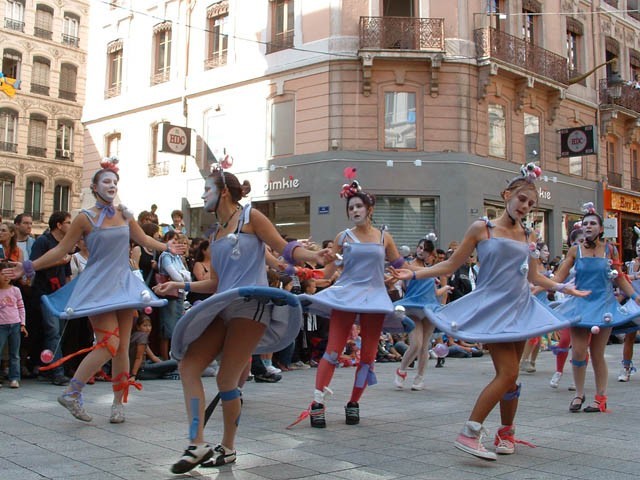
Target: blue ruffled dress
(239,261)
(419,294)
(501,308)
(600,308)
(107,283)
(360,288)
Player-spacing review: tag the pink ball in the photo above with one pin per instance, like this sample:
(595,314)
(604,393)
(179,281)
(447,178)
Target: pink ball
(595,329)
(441,350)
(148,310)
(46,356)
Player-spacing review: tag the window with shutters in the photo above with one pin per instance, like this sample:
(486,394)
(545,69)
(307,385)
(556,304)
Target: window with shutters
(8,130)
(64,140)
(43,27)
(497,131)
(114,69)
(37,145)
(282,28)
(33,198)
(113,145)
(217,37)
(68,79)
(61,195)
(11,63)
(70,29)
(14,15)
(40,75)
(7,182)
(408,218)
(162,46)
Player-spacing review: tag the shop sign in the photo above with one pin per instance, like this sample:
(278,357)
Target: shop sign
(176,139)
(286,183)
(610,228)
(577,141)
(625,203)
(544,194)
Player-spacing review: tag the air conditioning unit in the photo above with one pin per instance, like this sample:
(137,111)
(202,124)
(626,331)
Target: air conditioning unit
(66,153)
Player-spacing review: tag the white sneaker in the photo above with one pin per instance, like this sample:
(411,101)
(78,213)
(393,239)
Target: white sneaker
(525,365)
(273,370)
(555,380)
(432,355)
(400,378)
(418,383)
(625,375)
(470,441)
(117,413)
(572,387)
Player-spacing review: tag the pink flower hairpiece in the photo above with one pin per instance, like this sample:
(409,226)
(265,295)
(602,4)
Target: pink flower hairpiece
(531,172)
(589,208)
(577,225)
(110,163)
(350,189)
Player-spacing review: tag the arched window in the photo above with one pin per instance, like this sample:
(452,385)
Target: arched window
(37,145)
(11,63)
(33,198)
(8,130)
(7,184)
(40,75)
(61,197)
(68,79)
(162,48)
(70,29)
(64,140)
(14,16)
(44,22)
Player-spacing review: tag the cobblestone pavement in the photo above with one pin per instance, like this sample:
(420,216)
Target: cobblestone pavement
(403,434)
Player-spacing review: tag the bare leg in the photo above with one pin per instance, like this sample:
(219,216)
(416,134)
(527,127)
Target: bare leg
(579,345)
(600,370)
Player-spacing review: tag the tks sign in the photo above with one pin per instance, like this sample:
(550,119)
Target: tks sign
(176,139)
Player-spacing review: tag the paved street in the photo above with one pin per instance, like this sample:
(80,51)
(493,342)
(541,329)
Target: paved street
(403,434)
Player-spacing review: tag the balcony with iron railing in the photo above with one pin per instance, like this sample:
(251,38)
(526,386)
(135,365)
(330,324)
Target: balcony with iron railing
(520,55)
(614,179)
(40,89)
(13,24)
(36,151)
(158,169)
(42,33)
(635,184)
(64,154)
(70,40)
(64,95)
(629,96)
(6,213)
(280,41)
(160,77)
(36,216)
(217,59)
(113,91)
(8,147)
(402,33)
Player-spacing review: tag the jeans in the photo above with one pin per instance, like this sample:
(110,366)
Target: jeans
(52,327)
(11,333)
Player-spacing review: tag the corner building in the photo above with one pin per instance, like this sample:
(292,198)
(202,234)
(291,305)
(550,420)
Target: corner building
(437,104)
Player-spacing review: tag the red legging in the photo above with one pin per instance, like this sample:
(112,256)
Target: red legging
(563,346)
(339,328)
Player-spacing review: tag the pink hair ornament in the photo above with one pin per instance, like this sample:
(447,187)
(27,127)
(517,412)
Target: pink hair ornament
(589,208)
(110,163)
(531,172)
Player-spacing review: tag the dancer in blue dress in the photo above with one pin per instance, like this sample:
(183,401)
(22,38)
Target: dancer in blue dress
(633,274)
(358,294)
(596,263)
(419,293)
(107,291)
(500,312)
(238,320)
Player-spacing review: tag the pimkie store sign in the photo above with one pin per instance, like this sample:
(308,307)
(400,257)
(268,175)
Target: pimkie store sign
(285,183)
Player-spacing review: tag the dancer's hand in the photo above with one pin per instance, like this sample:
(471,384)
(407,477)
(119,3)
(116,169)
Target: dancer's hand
(167,289)
(324,256)
(576,293)
(176,248)
(400,273)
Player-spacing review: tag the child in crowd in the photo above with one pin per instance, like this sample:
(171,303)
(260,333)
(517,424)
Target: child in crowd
(145,365)
(12,324)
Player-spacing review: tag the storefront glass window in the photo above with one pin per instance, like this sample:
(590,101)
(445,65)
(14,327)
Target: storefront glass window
(568,221)
(532,137)
(290,215)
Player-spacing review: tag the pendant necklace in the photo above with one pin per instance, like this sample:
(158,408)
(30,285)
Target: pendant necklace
(226,223)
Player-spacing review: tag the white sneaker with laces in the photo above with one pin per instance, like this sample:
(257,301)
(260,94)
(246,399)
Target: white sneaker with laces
(400,378)
(625,375)
(273,370)
(555,380)
(418,383)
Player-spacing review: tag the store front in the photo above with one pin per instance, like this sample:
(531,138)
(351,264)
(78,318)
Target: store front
(625,209)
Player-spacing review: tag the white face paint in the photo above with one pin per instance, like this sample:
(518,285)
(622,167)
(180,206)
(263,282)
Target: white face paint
(107,186)
(638,248)
(592,228)
(420,251)
(544,253)
(357,211)
(210,195)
